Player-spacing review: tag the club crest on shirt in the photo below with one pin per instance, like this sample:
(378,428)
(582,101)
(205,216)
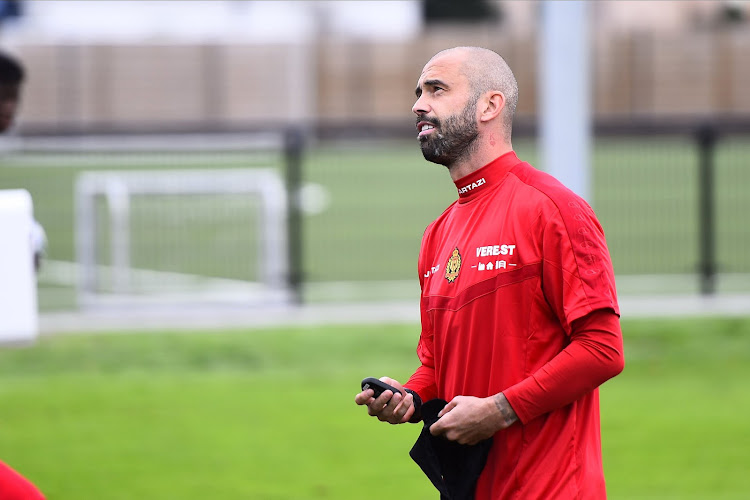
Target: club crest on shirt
(453,266)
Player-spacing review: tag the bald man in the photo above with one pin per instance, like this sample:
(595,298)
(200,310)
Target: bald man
(520,320)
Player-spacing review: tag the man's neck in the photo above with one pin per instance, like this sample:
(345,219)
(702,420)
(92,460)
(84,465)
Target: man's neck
(464,166)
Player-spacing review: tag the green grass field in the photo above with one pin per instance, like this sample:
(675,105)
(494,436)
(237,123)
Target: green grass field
(269,414)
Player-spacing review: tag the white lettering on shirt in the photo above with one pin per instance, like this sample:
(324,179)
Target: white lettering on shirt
(493,250)
(473,185)
(432,270)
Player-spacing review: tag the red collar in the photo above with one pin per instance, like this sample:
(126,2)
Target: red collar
(472,185)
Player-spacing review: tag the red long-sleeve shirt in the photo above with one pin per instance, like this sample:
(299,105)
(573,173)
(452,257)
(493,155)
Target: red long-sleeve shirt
(518,297)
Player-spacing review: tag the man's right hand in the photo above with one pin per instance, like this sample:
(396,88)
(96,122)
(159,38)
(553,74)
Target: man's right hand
(392,408)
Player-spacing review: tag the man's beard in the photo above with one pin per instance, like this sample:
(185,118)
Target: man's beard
(453,139)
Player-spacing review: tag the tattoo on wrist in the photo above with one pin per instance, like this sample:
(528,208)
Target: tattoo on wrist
(506,411)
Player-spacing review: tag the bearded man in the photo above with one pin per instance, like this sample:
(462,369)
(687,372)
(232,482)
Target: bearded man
(520,324)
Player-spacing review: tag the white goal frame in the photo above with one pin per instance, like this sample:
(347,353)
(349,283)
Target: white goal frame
(117,187)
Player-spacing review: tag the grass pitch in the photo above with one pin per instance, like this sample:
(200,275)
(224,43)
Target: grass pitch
(269,414)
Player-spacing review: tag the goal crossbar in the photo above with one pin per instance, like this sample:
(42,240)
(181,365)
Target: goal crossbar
(117,188)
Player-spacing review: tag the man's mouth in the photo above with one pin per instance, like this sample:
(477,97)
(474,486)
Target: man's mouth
(424,128)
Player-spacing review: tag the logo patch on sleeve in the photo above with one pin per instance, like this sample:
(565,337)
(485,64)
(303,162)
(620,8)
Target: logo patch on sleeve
(453,266)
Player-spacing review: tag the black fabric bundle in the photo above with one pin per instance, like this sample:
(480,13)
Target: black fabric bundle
(452,467)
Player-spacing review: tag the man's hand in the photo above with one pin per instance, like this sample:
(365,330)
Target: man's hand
(470,420)
(388,407)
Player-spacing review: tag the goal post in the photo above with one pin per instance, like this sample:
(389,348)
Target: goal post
(113,194)
(107,194)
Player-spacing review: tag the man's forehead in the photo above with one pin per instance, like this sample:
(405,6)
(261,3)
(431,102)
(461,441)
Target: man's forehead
(444,67)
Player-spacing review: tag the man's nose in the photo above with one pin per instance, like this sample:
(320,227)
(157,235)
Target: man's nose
(420,107)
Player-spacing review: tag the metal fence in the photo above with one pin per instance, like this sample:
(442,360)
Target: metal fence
(672,197)
(683,187)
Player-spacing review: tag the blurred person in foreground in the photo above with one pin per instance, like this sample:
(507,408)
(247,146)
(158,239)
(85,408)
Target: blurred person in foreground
(13,486)
(11,82)
(520,320)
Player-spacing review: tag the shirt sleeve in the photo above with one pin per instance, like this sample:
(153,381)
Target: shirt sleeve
(594,355)
(577,275)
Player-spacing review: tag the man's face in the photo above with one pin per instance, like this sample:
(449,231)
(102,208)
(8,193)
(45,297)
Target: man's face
(446,111)
(9,97)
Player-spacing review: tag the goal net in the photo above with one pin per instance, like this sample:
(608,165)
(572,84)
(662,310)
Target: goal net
(170,219)
(181,234)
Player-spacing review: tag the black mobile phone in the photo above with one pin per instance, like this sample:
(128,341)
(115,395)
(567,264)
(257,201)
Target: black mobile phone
(378,386)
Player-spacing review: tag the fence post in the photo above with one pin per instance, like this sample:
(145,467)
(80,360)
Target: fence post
(293,146)
(706,137)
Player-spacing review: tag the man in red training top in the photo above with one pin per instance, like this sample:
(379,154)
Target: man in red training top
(520,321)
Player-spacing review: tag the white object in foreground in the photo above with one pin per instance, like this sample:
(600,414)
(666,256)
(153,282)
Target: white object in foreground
(19,321)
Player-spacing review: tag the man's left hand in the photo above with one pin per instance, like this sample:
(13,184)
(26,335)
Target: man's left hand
(469,420)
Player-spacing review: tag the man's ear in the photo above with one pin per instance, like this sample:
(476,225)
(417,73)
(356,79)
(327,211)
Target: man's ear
(492,106)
